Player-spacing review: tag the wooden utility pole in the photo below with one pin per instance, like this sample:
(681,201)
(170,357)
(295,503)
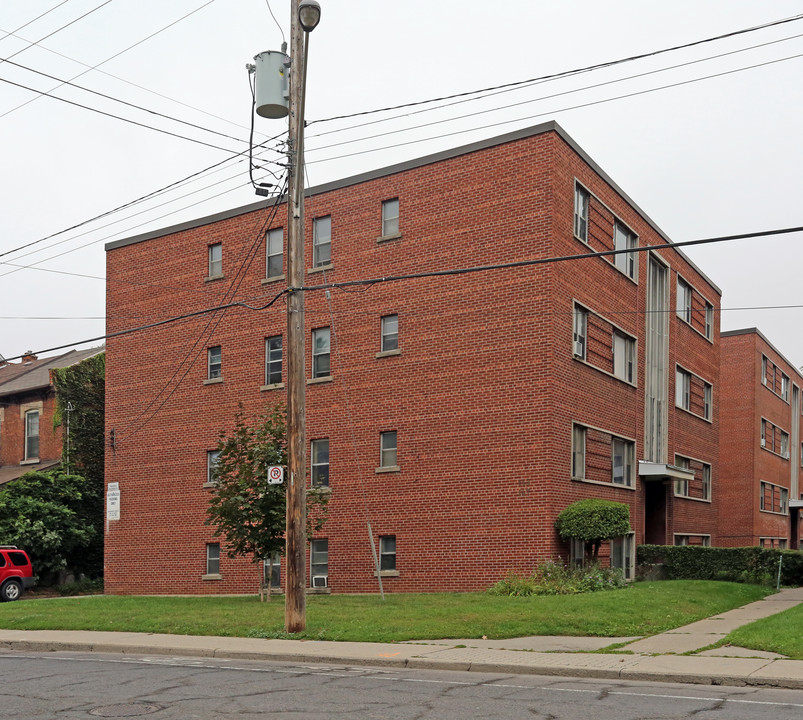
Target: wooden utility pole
(295,613)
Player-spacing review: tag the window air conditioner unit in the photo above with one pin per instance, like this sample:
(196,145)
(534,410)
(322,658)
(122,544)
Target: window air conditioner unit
(578,349)
(320,581)
(786,455)
(763,442)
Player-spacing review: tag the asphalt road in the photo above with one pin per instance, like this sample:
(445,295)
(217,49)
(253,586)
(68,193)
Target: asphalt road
(83,685)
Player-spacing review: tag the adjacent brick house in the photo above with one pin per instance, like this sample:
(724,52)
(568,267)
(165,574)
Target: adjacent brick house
(28,438)
(760,443)
(458,414)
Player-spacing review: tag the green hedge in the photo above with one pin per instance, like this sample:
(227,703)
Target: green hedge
(745,564)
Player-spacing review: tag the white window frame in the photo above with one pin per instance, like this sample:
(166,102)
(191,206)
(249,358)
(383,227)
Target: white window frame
(709,320)
(580,342)
(623,554)
(387,553)
(213,559)
(708,400)
(681,486)
(684,294)
(274,248)
(272,570)
(322,241)
(388,449)
(625,239)
(214,367)
(624,356)
(682,388)
(390,217)
(579,452)
(582,205)
(319,469)
(784,387)
(215,260)
(626,449)
(211,463)
(389,333)
(274,356)
(320,351)
(31,438)
(319,562)
(706,478)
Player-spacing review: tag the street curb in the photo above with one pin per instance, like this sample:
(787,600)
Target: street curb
(761,676)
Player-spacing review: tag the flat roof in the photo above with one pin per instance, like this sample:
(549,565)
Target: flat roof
(540,129)
(756,331)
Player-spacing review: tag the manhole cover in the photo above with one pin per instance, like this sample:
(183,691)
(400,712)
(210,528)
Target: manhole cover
(125,710)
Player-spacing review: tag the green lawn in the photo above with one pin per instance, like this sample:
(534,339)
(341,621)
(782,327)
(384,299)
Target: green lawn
(781,633)
(641,609)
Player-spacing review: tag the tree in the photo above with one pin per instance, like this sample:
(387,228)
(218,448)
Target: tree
(592,521)
(244,507)
(41,512)
(83,387)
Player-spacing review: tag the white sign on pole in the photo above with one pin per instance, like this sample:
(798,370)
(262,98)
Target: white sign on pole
(113,502)
(275,475)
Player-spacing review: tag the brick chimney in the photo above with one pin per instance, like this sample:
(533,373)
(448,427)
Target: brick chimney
(28,356)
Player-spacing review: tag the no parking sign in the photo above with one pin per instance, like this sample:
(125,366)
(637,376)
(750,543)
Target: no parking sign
(275,475)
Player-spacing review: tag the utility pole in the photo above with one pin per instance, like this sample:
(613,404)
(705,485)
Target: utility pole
(304,17)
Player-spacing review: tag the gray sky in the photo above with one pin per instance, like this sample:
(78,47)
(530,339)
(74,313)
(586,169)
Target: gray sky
(715,157)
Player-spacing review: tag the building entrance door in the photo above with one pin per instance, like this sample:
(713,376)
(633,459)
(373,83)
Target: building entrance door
(655,513)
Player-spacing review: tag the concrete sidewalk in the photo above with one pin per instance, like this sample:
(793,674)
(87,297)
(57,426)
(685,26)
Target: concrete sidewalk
(639,659)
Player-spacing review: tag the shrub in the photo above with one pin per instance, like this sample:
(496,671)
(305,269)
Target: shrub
(592,521)
(754,565)
(81,587)
(555,578)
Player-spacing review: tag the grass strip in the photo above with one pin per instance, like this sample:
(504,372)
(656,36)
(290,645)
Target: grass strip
(643,608)
(781,633)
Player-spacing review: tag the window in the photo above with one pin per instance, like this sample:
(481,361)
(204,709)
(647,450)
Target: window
(215,260)
(684,300)
(581,201)
(580,331)
(319,467)
(785,387)
(763,433)
(274,248)
(624,357)
(784,444)
(271,569)
(214,356)
(763,370)
(319,563)
(390,217)
(273,360)
(699,540)
(784,501)
(322,241)
(623,239)
(578,452)
(390,333)
(213,559)
(32,434)
(709,321)
(623,461)
(577,553)
(706,481)
(682,389)
(211,466)
(773,498)
(387,452)
(320,353)
(622,555)
(708,393)
(682,486)
(387,552)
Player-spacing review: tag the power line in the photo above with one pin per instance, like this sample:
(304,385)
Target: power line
(444,273)
(30,22)
(564,73)
(550,112)
(117,100)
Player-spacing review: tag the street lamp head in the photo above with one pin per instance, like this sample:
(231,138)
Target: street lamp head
(309,14)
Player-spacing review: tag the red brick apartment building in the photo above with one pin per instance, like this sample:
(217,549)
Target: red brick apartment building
(458,414)
(760,442)
(28,438)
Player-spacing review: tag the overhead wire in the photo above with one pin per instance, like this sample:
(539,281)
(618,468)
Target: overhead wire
(30,22)
(565,73)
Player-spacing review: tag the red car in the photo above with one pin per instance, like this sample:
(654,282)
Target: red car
(16,573)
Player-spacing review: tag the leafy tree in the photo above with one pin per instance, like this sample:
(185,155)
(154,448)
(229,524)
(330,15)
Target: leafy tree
(83,386)
(243,506)
(592,521)
(42,513)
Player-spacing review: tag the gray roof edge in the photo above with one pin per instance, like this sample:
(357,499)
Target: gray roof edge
(756,331)
(541,128)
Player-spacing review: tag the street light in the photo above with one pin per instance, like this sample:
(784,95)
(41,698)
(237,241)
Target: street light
(309,15)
